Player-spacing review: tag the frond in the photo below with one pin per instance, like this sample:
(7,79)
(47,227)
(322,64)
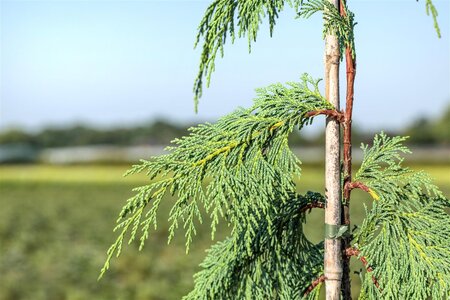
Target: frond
(405,237)
(382,171)
(219,22)
(280,265)
(334,22)
(232,169)
(430,8)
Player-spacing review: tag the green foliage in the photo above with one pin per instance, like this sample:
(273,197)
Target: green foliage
(430,8)
(404,238)
(405,235)
(243,155)
(380,169)
(221,167)
(242,170)
(219,21)
(281,262)
(334,22)
(55,222)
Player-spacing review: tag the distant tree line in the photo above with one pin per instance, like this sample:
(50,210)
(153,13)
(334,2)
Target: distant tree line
(431,132)
(156,133)
(423,131)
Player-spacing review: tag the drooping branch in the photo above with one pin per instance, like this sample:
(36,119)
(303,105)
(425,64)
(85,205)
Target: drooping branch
(349,252)
(314,284)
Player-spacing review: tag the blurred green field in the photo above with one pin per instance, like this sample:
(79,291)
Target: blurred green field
(56,225)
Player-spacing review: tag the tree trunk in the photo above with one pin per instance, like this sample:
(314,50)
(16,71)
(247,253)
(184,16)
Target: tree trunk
(333,256)
(350,62)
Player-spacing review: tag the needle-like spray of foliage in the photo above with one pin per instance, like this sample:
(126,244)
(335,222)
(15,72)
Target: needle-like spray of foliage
(235,169)
(241,171)
(220,21)
(405,236)
(228,19)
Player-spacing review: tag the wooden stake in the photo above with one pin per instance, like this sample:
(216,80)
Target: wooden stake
(333,253)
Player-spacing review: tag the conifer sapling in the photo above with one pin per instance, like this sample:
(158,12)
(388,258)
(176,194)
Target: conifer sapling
(241,171)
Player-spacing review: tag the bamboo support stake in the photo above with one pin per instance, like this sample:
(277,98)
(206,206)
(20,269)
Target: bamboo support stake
(333,254)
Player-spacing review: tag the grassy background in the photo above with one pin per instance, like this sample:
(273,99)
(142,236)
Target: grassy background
(56,225)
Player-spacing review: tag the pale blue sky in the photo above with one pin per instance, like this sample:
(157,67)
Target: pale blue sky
(126,62)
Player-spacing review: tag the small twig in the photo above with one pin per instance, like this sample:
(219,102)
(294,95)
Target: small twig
(359,185)
(313,284)
(355,252)
(311,206)
(356,185)
(339,116)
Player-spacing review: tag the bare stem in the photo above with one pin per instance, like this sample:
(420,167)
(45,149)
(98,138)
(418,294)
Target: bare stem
(313,285)
(350,63)
(356,185)
(332,113)
(312,205)
(349,252)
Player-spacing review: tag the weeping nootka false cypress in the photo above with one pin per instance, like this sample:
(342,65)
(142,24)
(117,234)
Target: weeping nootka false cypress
(241,171)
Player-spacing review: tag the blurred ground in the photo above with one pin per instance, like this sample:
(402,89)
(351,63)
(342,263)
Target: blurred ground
(56,225)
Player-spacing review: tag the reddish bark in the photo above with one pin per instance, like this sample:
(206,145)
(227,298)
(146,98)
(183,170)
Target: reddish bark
(312,205)
(339,116)
(349,252)
(356,185)
(350,63)
(314,284)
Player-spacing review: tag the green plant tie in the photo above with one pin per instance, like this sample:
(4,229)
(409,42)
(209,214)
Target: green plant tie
(335,231)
